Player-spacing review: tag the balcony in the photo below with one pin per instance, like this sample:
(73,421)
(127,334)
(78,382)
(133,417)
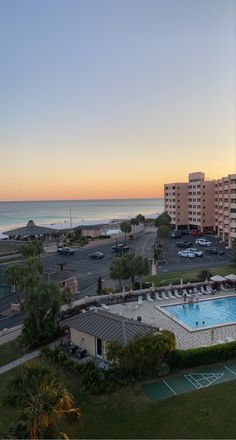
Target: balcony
(233,205)
(233,234)
(233,186)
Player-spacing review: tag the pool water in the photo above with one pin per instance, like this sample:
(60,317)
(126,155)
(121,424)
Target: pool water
(207,313)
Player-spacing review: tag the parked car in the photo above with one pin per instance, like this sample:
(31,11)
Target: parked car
(195,233)
(65,251)
(203,242)
(184,244)
(215,251)
(195,251)
(120,248)
(176,234)
(186,254)
(96,255)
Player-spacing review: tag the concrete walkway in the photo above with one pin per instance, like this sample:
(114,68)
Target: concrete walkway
(20,361)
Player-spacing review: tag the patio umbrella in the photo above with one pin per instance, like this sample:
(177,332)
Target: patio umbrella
(217,278)
(30,229)
(231,277)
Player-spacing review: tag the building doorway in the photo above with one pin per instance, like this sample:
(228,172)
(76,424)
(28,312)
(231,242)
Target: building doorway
(99,347)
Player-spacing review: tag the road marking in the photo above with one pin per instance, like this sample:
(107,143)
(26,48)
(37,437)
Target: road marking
(231,371)
(169,387)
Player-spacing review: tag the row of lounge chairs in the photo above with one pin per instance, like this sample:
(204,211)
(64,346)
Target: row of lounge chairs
(169,294)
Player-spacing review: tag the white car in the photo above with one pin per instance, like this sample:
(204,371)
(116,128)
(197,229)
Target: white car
(203,242)
(186,254)
(195,251)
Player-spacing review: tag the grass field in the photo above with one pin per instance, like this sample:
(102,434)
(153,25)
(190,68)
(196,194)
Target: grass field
(208,413)
(9,352)
(187,275)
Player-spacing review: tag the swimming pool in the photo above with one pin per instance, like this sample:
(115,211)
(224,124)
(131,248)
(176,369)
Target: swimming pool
(207,313)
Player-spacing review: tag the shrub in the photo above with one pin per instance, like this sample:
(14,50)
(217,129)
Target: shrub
(204,275)
(203,355)
(163,369)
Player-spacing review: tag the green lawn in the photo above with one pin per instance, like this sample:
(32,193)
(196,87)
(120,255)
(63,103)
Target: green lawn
(128,413)
(187,275)
(9,352)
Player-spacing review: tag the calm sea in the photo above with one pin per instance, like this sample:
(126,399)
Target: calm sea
(15,214)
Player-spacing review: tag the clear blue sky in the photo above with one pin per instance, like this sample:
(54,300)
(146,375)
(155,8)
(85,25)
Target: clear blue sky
(120,95)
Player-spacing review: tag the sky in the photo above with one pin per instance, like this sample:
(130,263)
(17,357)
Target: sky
(114,98)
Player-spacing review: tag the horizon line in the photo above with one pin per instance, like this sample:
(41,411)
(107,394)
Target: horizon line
(79,200)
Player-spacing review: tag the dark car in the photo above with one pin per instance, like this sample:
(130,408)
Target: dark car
(96,256)
(120,248)
(184,244)
(215,251)
(65,251)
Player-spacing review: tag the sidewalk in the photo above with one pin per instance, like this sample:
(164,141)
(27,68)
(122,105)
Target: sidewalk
(20,361)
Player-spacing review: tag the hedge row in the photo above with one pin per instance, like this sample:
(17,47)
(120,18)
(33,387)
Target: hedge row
(202,356)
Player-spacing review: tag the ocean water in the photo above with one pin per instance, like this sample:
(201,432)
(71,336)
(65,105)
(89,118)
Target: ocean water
(16,214)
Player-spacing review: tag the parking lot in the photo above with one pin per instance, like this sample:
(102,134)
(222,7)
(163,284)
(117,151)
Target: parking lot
(171,261)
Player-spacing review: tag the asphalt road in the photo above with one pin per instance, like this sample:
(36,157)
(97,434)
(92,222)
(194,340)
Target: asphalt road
(87,271)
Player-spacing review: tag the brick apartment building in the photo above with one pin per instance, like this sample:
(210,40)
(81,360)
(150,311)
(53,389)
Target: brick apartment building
(206,205)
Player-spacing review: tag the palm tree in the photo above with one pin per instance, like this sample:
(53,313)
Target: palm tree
(126,228)
(14,275)
(163,232)
(44,402)
(118,270)
(134,222)
(42,307)
(32,249)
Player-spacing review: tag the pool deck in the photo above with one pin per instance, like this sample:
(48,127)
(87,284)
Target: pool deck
(150,313)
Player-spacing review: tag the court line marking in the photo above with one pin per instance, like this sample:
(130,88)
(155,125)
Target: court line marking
(231,371)
(219,377)
(169,387)
(192,382)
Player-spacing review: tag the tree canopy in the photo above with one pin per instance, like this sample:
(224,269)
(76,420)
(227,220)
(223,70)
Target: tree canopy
(128,266)
(32,249)
(42,401)
(163,220)
(143,353)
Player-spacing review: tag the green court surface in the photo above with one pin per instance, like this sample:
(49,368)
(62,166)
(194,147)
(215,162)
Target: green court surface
(173,386)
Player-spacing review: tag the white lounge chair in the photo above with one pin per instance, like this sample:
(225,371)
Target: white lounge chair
(140,300)
(202,290)
(209,289)
(195,291)
(157,296)
(177,294)
(104,306)
(186,293)
(223,287)
(164,296)
(149,297)
(171,294)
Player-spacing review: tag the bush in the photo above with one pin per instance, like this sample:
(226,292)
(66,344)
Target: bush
(163,369)
(202,356)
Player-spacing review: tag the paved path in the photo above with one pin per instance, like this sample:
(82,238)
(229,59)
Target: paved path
(20,361)
(11,336)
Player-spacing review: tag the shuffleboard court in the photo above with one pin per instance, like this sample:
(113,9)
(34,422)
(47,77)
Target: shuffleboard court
(173,386)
